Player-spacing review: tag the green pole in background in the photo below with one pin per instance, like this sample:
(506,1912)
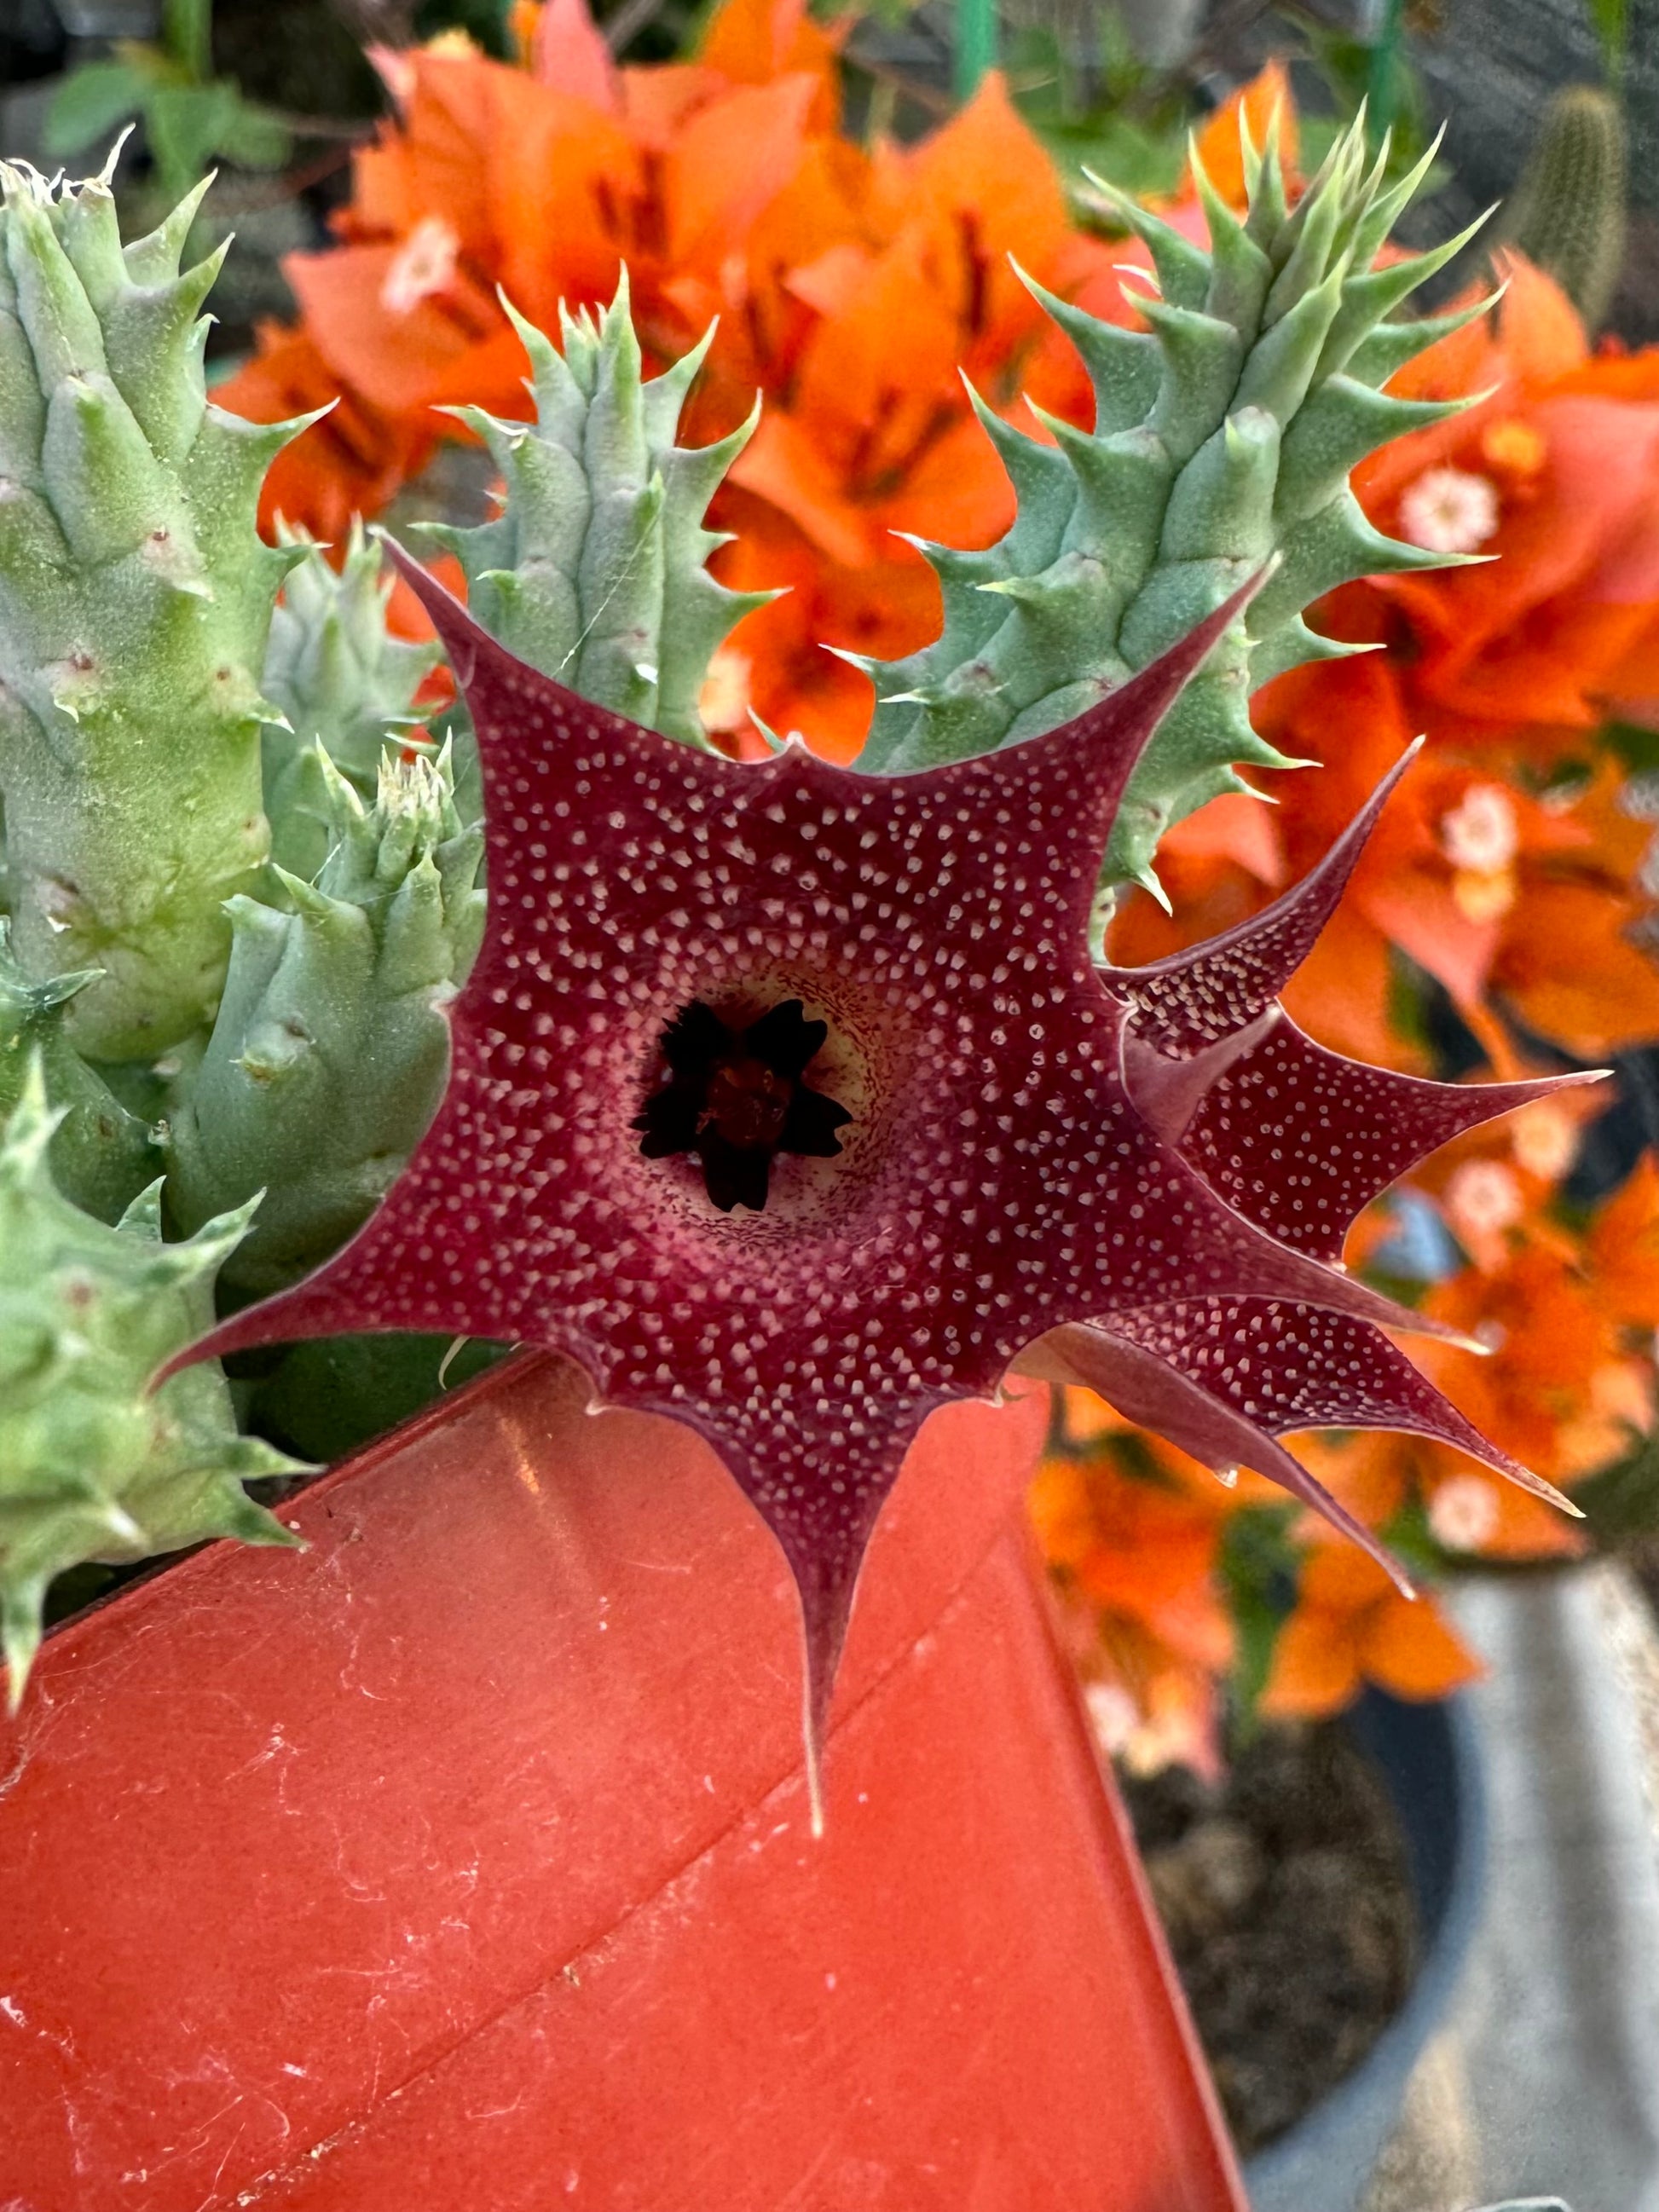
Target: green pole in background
(976,44)
(1383,82)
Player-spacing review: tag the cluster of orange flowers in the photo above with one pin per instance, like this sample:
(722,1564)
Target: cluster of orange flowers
(855,287)
(853,284)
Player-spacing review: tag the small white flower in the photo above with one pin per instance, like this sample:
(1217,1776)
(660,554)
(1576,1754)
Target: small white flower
(723,702)
(1463,1513)
(1545,1139)
(1449,511)
(423,264)
(1483,1197)
(1113,1714)
(1481,833)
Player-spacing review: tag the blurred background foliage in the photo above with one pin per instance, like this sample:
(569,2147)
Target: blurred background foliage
(1557,100)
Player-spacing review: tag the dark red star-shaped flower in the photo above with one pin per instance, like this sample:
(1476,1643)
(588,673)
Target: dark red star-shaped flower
(1150,1171)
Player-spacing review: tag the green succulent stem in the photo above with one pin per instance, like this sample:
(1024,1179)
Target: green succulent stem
(93,1466)
(135,597)
(595,571)
(1224,434)
(344,685)
(331,1050)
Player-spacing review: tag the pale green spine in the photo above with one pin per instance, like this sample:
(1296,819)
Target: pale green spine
(1224,434)
(92,1465)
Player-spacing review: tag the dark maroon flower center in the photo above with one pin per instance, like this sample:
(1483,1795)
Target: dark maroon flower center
(736,1097)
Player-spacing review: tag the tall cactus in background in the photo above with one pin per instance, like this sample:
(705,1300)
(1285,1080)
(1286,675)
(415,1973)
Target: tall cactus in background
(135,597)
(1567,212)
(595,571)
(92,1467)
(1225,434)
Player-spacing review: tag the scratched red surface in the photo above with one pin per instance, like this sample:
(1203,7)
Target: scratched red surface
(461,1863)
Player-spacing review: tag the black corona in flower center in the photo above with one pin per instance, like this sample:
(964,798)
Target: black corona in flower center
(736,1098)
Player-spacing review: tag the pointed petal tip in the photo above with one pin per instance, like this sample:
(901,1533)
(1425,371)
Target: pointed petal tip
(813,1732)
(1459,1338)
(308,1309)
(206,1346)
(1540,1486)
(459,633)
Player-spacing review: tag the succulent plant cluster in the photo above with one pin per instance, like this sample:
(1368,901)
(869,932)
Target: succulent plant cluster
(789,1099)
(133,613)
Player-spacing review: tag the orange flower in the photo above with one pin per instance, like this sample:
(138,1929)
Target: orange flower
(351,463)
(1510,898)
(852,288)
(1623,1248)
(1150,1708)
(1350,1625)
(1136,1550)
(1556,1390)
(1557,474)
(1141,1604)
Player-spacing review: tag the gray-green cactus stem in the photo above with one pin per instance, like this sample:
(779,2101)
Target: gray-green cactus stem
(1225,433)
(135,597)
(343,681)
(92,1465)
(595,570)
(331,1050)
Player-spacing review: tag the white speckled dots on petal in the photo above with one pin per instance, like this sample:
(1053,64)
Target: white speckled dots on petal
(995,1180)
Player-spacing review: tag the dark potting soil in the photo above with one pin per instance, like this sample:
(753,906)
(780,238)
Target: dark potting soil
(1284,1896)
